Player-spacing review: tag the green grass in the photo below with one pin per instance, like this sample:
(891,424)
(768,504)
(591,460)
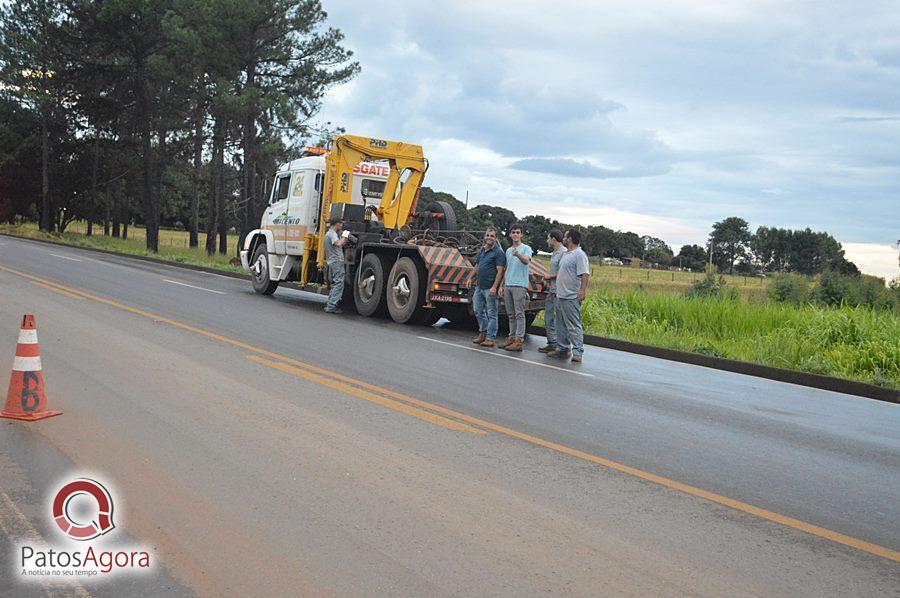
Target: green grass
(855,343)
(173,245)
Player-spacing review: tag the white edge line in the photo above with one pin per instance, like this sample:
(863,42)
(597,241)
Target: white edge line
(526,361)
(184,284)
(74,259)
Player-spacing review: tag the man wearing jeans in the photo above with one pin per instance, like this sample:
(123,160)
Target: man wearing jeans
(489,265)
(571,289)
(334,264)
(554,241)
(515,288)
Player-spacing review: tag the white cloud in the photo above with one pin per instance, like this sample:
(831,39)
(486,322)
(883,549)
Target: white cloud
(672,114)
(873,258)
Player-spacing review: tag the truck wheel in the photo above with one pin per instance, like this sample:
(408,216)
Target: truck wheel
(406,292)
(368,286)
(259,271)
(448,222)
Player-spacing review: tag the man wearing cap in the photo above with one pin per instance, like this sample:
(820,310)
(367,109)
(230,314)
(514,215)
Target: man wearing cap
(334,263)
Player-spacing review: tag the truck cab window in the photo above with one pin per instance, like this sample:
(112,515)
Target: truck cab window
(281,188)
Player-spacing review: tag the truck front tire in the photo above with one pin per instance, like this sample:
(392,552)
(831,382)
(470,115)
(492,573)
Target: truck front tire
(259,271)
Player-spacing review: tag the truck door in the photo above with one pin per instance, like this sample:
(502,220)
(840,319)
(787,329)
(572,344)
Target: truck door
(295,221)
(279,211)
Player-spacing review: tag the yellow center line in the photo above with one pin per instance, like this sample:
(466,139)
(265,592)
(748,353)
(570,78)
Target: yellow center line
(55,290)
(379,400)
(737,505)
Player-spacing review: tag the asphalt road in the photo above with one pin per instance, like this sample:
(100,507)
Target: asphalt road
(263,447)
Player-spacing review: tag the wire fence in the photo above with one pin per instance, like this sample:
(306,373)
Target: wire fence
(168,237)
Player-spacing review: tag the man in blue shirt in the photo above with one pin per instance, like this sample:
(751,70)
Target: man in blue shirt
(571,289)
(515,288)
(489,265)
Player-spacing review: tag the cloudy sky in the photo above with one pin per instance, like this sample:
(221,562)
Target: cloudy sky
(656,117)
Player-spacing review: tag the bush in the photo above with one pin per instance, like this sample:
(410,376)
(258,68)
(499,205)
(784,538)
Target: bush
(835,290)
(710,286)
(788,289)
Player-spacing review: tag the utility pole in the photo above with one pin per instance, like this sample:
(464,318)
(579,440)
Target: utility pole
(467,209)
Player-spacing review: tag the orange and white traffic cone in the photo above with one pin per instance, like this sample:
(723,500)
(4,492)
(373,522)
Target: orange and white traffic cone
(26,398)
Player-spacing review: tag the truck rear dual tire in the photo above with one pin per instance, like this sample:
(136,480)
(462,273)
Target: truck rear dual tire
(259,271)
(406,293)
(369,286)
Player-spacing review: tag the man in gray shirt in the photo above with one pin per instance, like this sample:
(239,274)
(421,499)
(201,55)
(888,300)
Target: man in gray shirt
(334,264)
(554,240)
(571,289)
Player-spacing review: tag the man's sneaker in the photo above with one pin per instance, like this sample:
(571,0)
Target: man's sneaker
(509,340)
(515,345)
(480,338)
(560,354)
(547,349)
(336,310)
(487,343)
(576,358)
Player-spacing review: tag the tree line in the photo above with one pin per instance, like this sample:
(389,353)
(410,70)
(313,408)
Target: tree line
(178,111)
(158,111)
(735,248)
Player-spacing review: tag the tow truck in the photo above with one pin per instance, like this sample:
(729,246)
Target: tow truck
(406,261)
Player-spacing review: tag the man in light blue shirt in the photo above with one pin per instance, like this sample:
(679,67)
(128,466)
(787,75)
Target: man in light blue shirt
(571,289)
(515,288)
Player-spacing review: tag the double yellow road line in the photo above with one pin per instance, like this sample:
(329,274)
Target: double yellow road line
(455,420)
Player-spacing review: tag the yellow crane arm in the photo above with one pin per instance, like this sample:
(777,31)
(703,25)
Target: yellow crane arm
(398,199)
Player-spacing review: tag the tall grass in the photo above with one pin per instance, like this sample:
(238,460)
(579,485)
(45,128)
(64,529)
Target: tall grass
(851,342)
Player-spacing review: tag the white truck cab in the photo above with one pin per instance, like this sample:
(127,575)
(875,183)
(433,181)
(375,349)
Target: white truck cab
(294,211)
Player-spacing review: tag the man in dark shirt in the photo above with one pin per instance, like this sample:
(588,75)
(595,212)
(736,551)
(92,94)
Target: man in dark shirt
(489,265)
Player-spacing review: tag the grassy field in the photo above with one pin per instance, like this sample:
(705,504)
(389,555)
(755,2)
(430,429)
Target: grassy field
(619,279)
(649,306)
(173,245)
